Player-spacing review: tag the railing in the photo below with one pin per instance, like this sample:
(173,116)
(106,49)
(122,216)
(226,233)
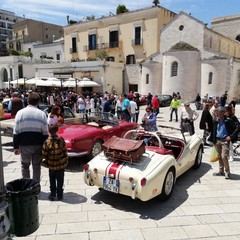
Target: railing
(21,38)
(137,42)
(101,46)
(73,50)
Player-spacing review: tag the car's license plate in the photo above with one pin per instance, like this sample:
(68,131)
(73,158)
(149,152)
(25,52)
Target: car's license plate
(110,184)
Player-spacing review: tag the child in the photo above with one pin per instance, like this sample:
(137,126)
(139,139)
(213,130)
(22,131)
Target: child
(54,152)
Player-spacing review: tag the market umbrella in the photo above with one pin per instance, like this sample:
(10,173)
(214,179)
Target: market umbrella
(50,82)
(18,81)
(34,81)
(71,82)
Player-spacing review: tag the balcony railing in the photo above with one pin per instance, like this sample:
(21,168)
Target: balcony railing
(21,38)
(137,42)
(101,46)
(73,50)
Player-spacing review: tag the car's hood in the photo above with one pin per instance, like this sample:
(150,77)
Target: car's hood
(72,131)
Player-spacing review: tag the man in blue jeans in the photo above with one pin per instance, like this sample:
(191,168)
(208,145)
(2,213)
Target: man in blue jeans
(126,108)
(225,129)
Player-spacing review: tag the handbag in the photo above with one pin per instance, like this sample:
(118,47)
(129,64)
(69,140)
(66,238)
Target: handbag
(214,155)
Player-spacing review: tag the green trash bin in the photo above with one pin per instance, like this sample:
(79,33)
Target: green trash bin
(22,210)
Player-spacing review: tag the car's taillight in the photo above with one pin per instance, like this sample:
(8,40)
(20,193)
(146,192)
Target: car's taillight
(86,167)
(143,181)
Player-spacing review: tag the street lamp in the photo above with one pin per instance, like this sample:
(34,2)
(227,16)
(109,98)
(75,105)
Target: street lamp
(4,221)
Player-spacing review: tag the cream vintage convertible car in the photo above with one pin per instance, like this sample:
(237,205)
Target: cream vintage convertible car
(167,156)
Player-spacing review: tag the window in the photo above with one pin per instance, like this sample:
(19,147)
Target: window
(137,36)
(18,46)
(58,57)
(210,78)
(238,77)
(43,55)
(20,71)
(130,59)
(92,41)
(113,39)
(181,27)
(74,44)
(47,36)
(238,38)
(174,69)
(111,59)
(147,78)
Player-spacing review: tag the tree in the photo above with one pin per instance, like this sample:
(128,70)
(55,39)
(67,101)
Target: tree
(72,22)
(101,54)
(121,9)
(156,2)
(90,18)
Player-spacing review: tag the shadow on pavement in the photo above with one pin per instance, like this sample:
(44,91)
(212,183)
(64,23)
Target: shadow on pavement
(8,146)
(68,197)
(76,164)
(6,163)
(155,208)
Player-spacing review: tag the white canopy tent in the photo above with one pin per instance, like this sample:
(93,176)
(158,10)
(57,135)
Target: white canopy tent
(45,81)
(86,82)
(34,81)
(71,82)
(50,83)
(19,81)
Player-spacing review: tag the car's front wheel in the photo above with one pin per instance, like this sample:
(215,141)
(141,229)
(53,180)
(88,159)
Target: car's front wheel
(168,185)
(96,149)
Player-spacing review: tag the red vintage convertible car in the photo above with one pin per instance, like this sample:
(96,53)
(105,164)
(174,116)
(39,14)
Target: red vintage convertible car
(87,138)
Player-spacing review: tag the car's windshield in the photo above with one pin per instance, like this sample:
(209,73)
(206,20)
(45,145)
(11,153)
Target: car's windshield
(104,117)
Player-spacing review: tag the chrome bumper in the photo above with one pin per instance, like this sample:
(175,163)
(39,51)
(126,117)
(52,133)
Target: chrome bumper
(77,154)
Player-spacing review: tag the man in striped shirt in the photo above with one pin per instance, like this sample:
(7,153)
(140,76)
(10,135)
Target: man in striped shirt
(30,131)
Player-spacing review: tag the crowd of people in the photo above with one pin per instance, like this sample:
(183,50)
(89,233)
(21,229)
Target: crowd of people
(35,134)
(221,128)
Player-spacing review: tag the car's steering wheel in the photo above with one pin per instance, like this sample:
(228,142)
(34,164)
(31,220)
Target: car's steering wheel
(93,119)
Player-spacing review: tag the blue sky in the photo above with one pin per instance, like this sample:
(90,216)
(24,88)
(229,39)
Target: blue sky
(55,11)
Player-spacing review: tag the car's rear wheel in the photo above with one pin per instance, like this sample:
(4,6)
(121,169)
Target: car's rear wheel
(96,149)
(198,159)
(168,185)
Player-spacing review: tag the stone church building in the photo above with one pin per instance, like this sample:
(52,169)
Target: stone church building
(194,59)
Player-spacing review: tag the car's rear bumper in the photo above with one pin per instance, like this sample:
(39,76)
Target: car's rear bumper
(77,154)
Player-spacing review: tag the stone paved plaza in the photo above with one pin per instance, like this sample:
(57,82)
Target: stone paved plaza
(202,206)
